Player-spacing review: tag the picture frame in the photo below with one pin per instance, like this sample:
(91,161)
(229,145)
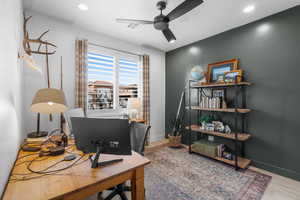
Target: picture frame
(219,68)
(220,78)
(229,77)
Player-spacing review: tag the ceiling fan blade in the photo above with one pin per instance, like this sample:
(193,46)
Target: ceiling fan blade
(169,35)
(134,21)
(183,8)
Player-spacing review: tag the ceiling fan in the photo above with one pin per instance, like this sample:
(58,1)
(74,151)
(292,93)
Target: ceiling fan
(161,22)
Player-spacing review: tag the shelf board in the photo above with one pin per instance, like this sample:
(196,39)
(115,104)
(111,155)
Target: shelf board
(212,85)
(242,162)
(241,136)
(231,110)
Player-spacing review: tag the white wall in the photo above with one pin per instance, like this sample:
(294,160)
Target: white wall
(64,35)
(10,86)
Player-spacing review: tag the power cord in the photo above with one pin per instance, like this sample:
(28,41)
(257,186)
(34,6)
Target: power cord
(44,171)
(27,155)
(27,161)
(35,177)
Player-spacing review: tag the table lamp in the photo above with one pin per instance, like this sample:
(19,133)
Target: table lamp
(134,106)
(47,101)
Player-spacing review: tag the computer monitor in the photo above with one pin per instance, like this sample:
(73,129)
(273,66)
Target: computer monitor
(95,135)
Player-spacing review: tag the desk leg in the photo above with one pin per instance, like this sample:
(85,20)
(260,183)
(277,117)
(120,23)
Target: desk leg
(137,184)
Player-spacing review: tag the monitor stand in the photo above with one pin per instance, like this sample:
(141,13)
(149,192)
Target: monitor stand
(100,145)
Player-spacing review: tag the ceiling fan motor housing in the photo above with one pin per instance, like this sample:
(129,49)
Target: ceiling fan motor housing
(161,5)
(161,22)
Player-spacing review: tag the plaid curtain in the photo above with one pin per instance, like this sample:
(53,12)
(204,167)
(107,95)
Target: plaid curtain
(146,90)
(81,73)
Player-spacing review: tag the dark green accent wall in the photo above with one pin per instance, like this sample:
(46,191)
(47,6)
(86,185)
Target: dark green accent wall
(269,52)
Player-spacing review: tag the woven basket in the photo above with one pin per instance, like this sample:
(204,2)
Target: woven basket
(174,141)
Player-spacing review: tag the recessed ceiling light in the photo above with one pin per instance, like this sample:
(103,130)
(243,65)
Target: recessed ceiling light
(249,9)
(83,6)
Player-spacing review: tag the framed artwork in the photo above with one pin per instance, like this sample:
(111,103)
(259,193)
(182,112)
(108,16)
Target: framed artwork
(230,77)
(220,78)
(216,70)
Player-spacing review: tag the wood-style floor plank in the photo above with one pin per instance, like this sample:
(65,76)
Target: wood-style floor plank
(280,188)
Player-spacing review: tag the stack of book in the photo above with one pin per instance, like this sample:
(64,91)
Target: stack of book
(36,140)
(221,149)
(210,102)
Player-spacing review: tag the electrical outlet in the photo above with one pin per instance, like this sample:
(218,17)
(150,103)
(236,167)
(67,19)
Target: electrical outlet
(211,138)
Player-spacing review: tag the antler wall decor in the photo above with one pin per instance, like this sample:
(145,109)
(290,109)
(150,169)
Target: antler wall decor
(27,48)
(27,41)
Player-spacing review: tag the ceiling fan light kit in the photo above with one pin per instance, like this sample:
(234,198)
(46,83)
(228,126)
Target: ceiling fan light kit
(161,22)
(169,35)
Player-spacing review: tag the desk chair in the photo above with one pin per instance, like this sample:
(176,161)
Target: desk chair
(138,137)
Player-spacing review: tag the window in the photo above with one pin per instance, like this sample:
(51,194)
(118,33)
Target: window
(129,79)
(113,78)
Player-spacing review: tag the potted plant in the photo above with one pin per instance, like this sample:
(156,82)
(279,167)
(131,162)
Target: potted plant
(176,134)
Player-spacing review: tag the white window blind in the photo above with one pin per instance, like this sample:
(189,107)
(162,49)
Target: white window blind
(113,78)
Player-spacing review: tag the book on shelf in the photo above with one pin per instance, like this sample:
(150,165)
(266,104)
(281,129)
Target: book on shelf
(221,149)
(32,140)
(210,102)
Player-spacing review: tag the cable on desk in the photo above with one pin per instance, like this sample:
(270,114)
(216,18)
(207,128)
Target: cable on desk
(56,170)
(27,161)
(70,152)
(45,174)
(24,174)
(27,155)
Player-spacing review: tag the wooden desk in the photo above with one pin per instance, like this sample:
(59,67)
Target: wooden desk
(77,182)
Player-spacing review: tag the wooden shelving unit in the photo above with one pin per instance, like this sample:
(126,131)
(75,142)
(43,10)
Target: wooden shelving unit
(231,136)
(238,135)
(241,162)
(221,85)
(231,110)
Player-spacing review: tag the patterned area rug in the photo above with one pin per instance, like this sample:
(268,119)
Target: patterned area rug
(175,174)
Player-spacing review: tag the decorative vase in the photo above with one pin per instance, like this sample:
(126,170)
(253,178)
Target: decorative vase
(175,141)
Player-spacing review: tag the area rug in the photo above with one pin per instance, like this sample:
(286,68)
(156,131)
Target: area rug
(174,174)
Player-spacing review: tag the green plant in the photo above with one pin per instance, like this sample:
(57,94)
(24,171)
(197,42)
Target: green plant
(206,119)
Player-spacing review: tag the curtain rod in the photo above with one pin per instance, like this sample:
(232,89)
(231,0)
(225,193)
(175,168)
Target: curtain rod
(114,49)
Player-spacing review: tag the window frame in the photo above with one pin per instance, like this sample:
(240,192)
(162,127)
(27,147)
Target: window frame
(117,55)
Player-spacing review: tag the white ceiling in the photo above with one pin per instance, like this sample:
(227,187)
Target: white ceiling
(210,18)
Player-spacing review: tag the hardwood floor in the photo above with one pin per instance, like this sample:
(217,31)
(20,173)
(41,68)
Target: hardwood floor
(155,145)
(280,188)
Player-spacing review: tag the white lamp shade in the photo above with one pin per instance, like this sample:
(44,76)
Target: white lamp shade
(49,101)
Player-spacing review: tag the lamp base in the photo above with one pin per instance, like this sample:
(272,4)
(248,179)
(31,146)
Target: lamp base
(37,134)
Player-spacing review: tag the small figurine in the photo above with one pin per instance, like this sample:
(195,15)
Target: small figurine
(219,126)
(227,129)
